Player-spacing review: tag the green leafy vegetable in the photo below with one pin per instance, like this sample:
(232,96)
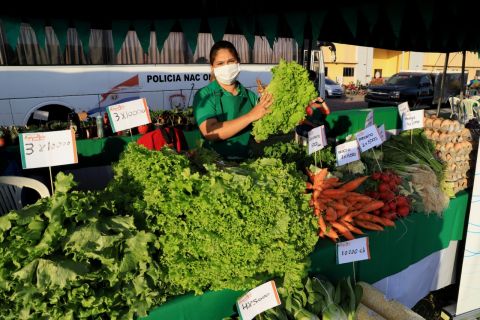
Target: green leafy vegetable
(292,92)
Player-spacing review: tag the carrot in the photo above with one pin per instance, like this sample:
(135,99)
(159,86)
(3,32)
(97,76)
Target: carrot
(321,224)
(340,208)
(332,234)
(333,193)
(367,217)
(321,234)
(330,214)
(319,205)
(351,227)
(309,186)
(354,184)
(316,194)
(350,215)
(386,222)
(368,225)
(317,212)
(343,230)
(374,205)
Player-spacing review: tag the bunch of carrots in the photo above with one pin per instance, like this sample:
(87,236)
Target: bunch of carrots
(341,210)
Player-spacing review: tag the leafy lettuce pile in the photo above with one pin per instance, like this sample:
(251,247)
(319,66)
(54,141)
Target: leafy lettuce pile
(160,229)
(292,92)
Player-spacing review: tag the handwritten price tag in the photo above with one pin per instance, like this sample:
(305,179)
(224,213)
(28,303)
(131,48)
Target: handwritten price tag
(353,250)
(368,138)
(412,120)
(347,152)
(128,115)
(369,120)
(317,139)
(48,149)
(403,108)
(382,133)
(258,300)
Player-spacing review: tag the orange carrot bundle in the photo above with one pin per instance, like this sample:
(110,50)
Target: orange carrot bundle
(374,205)
(330,214)
(351,227)
(334,193)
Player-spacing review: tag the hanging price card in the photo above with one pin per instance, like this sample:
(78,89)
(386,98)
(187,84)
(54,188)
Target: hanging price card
(353,250)
(412,120)
(128,115)
(347,152)
(48,149)
(368,138)
(258,300)
(317,139)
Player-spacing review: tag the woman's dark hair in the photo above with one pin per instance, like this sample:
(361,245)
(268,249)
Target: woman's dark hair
(223,45)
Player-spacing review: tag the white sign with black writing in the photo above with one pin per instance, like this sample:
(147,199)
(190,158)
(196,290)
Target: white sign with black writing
(347,152)
(412,120)
(403,108)
(128,115)
(48,149)
(369,119)
(40,115)
(258,300)
(382,133)
(368,138)
(353,250)
(317,139)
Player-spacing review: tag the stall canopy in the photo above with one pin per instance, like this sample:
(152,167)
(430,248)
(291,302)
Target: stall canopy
(429,26)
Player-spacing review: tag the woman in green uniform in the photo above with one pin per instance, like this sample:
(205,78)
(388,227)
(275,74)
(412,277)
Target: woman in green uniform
(224,110)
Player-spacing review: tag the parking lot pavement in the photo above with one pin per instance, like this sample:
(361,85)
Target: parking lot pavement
(346,103)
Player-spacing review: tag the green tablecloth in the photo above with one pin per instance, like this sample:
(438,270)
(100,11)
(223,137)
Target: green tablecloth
(391,250)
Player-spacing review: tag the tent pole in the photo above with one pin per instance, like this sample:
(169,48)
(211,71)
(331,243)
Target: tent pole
(462,78)
(442,85)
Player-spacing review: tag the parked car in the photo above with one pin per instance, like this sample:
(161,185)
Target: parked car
(333,89)
(418,88)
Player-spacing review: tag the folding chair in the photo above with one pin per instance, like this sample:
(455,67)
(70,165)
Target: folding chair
(11,191)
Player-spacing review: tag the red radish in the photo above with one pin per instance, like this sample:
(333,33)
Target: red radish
(383,187)
(392,205)
(403,211)
(376,175)
(376,212)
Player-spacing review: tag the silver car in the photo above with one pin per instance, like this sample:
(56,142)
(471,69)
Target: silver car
(333,89)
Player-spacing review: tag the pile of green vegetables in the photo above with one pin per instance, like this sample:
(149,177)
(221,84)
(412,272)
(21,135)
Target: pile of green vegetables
(292,91)
(160,229)
(293,152)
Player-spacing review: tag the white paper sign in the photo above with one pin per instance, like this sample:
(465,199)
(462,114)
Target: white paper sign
(128,115)
(369,119)
(258,300)
(368,138)
(403,108)
(468,293)
(40,115)
(317,139)
(412,120)
(353,250)
(48,149)
(382,133)
(347,152)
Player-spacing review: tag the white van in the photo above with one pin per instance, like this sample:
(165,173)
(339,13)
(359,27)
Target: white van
(63,89)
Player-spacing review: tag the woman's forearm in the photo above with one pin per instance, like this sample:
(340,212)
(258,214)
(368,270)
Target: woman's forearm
(215,130)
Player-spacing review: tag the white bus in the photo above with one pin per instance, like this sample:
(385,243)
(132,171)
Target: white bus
(60,90)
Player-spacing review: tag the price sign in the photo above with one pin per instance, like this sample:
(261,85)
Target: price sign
(40,115)
(412,120)
(369,120)
(347,152)
(368,138)
(317,139)
(128,115)
(403,108)
(382,133)
(48,149)
(258,300)
(353,250)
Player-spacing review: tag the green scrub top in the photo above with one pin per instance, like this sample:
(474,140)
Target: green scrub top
(213,101)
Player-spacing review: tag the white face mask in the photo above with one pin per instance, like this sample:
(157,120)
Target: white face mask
(227,74)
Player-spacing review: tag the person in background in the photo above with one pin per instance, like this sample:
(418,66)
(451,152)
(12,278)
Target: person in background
(224,109)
